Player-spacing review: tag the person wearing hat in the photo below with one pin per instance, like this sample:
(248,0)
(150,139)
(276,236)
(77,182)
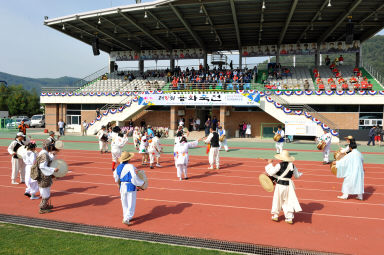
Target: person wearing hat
(42,173)
(118,142)
(180,133)
(150,132)
(351,168)
(17,163)
(222,135)
(214,157)
(327,139)
(154,150)
(180,153)
(29,159)
(51,138)
(347,149)
(126,176)
(284,196)
(103,139)
(280,143)
(136,138)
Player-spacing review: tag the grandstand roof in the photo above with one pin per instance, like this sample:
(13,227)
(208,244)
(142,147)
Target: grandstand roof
(221,24)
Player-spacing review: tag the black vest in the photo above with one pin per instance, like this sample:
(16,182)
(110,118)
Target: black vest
(283,167)
(17,146)
(215,140)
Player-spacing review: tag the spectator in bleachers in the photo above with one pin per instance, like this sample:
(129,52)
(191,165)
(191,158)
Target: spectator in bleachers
(341,60)
(353,79)
(356,70)
(332,66)
(306,85)
(370,85)
(327,60)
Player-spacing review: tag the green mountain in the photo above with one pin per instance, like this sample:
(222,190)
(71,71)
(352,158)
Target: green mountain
(38,83)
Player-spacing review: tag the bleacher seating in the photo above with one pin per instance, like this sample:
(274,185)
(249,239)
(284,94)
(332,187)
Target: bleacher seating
(299,75)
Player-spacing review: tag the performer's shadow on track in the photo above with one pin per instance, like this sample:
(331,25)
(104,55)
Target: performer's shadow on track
(308,209)
(81,163)
(97,201)
(368,192)
(160,211)
(206,174)
(72,190)
(68,177)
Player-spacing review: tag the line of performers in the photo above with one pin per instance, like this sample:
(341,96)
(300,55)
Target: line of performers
(34,167)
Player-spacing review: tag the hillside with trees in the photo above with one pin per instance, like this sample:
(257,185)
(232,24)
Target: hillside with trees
(37,83)
(18,101)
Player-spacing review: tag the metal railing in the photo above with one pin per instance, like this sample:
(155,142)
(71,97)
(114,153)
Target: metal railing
(82,82)
(59,89)
(305,108)
(374,73)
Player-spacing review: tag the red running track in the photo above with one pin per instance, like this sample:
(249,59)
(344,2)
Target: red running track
(227,204)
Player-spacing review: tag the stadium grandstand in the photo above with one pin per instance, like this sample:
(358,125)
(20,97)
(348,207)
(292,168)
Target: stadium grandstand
(330,94)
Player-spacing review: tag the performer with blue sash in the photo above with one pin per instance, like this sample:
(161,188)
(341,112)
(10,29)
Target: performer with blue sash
(280,143)
(126,176)
(350,167)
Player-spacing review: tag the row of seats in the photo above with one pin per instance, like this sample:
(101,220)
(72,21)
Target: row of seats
(299,76)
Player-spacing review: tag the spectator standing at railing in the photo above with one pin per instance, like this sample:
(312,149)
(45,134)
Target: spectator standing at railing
(327,60)
(207,126)
(97,112)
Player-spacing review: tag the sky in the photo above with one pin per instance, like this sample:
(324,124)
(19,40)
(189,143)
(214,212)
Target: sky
(29,48)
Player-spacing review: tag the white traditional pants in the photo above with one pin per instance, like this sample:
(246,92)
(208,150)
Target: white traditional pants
(18,166)
(115,155)
(103,146)
(32,186)
(128,202)
(45,193)
(280,201)
(223,143)
(152,156)
(279,147)
(181,170)
(214,156)
(326,153)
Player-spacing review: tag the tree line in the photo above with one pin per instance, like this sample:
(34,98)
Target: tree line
(18,101)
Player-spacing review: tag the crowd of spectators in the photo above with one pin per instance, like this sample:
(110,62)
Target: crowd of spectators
(356,81)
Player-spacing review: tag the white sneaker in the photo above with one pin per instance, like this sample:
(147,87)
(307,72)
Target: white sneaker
(14,182)
(158,165)
(360,197)
(342,197)
(33,197)
(210,168)
(180,179)
(217,167)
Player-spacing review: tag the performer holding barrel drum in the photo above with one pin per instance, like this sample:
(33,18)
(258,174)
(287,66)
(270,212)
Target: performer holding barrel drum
(279,139)
(324,144)
(17,161)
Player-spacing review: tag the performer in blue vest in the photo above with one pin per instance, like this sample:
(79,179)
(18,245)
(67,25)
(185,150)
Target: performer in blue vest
(280,143)
(125,175)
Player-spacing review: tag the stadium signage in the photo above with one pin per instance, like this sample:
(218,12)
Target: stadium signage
(156,54)
(241,99)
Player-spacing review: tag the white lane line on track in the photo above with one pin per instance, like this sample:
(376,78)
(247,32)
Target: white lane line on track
(214,205)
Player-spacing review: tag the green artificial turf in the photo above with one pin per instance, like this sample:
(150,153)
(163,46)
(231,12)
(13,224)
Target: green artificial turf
(23,240)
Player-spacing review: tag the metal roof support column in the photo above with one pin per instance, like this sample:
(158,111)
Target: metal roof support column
(282,34)
(240,60)
(234,16)
(205,60)
(141,65)
(359,57)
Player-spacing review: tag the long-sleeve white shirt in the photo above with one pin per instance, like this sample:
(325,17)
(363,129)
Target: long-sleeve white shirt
(181,152)
(29,158)
(272,170)
(118,142)
(12,146)
(327,138)
(45,169)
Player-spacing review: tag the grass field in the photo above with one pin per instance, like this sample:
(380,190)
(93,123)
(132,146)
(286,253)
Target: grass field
(27,240)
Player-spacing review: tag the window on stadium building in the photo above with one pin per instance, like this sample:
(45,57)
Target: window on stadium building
(73,114)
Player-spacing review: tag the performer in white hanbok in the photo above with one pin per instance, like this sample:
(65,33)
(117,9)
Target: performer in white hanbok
(154,150)
(118,142)
(181,156)
(284,196)
(327,138)
(213,156)
(136,138)
(350,167)
(143,149)
(223,137)
(103,139)
(280,143)
(17,163)
(125,175)
(29,159)
(42,173)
